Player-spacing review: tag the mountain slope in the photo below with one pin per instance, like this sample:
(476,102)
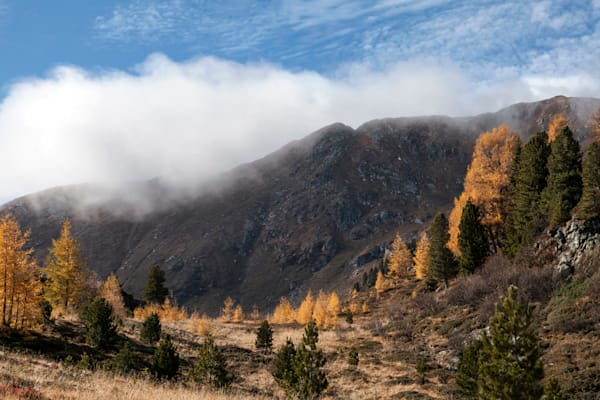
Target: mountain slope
(311,215)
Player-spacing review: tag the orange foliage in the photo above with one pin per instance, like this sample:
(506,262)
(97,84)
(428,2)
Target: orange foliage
(284,312)
(238,314)
(320,310)
(421,258)
(487,182)
(400,260)
(20,287)
(167,312)
(305,311)
(227,311)
(556,125)
(111,292)
(333,309)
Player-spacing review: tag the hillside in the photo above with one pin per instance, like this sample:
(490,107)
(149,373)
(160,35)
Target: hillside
(314,214)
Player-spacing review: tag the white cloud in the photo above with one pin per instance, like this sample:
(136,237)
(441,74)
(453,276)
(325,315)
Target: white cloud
(188,121)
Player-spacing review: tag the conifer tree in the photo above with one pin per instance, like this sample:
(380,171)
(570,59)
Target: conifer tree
(165,362)
(556,125)
(472,239)
(320,310)
(305,312)
(442,264)
(487,184)
(20,287)
(526,218)
(283,371)
(238,314)
(333,310)
(284,312)
(126,360)
(113,294)
(264,337)
(563,189)
(155,291)
(589,206)
(308,364)
(421,258)
(227,310)
(211,368)
(400,260)
(380,283)
(66,271)
(100,323)
(151,329)
(510,367)
(467,371)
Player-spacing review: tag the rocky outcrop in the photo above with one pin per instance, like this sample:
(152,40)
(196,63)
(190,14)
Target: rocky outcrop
(569,243)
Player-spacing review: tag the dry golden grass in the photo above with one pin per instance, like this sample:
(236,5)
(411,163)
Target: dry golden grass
(28,377)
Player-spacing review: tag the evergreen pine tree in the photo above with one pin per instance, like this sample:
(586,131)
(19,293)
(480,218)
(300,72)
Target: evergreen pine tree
(509,364)
(526,219)
(100,323)
(211,368)
(442,264)
(165,362)
(283,371)
(564,186)
(353,357)
(589,206)
(264,337)
(467,372)
(155,291)
(472,239)
(125,361)
(308,363)
(151,329)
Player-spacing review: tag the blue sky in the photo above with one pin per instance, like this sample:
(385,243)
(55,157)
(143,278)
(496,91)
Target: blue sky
(131,89)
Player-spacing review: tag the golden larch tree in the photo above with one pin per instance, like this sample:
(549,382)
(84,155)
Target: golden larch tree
(227,310)
(284,312)
(65,268)
(400,260)
(380,283)
(556,125)
(238,314)
(487,183)
(333,310)
(305,311)
(421,259)
(320,310)
(20,287)
(111,292)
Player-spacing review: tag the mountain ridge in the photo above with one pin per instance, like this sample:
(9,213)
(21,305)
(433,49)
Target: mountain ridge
(314,214)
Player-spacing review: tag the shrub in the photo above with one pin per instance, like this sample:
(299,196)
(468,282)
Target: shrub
(264,337)
(100,323)
(125,361)
(353,357)
(151,329)
(211,368)
(86,362)
(165,362)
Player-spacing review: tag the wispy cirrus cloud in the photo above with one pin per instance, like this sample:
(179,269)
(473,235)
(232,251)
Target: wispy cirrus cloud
(490,39)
